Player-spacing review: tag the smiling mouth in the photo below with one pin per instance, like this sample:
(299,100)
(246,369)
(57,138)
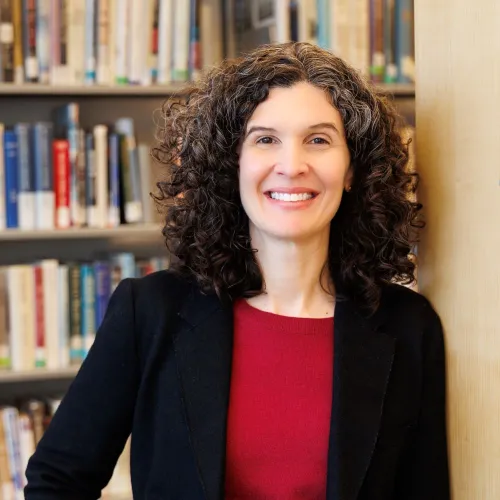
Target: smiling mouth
(291,197)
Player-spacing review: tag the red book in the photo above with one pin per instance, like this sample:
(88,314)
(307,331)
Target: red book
(39,318)
(61,182)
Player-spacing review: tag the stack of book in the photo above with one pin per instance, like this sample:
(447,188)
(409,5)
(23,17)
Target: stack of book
(59,175)
(141,42)
(375,36)
(50,311)
(21,428)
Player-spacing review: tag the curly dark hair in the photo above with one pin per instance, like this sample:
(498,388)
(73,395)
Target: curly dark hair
(206,229)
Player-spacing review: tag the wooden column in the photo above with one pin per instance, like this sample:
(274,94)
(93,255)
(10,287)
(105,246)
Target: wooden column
(458,156)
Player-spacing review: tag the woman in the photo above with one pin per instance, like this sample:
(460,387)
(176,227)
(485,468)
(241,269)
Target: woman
(277,359)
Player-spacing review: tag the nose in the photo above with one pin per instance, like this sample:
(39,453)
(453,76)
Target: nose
(292,161)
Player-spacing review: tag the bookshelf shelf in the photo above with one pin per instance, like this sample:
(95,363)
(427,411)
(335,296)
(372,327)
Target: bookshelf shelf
(26,89)
(39,374)
(122,232)
(38,90)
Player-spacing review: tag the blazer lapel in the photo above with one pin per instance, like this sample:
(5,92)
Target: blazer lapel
(363,356)
(203,349)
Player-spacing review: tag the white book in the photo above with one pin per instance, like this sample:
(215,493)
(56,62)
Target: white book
(111,41)
(282,13)
(308,21)
(28,316)
(122,10)
(359,16)
(26,442)
(10,416)
(20,350)
(341,30)
(182,12)
(76,40)
(43,40)
(103,38)
(136,39)
(147,42)
(211,22)
(90,62)
(50,316)
(101,166)
(63,315)
(3,222)
(165,41)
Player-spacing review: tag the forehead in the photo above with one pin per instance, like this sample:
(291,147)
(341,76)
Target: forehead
(303,104)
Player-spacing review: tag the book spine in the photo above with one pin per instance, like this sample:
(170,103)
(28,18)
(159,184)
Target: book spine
(81,181)
(14,278)
(6,485)
(180,71)
(114,180)
(101,168)
(111,41)
(50,288)
(88,307)
(377,56)
(122,9)
(44,183)
(5,361)
(405,59)
(26,181)
(40,332)
(27,442)
(135,46)
(282,16)
(17,19)
(3,193)
(90,41)
(6,41)
(102,291)
(324,25)
(28,316)
(31,68)
(11,178)
(146,182)
(76,18)
(63,315)
(61,183)
(43,40)
(165,41)
(75,314)
(10,425)
(391,70)
(60,70)
(103,15)
(91,181)
(194,61)
(153,60)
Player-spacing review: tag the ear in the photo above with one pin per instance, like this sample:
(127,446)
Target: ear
(348,179)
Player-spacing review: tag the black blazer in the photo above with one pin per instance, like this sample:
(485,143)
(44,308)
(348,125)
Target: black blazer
(160,368)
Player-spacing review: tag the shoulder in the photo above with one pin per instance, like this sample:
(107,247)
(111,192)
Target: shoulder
(410,315)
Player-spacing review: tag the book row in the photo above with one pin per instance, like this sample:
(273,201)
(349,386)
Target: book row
(59,174)
(375,36)
(21,428)
(50,311)
(65,42)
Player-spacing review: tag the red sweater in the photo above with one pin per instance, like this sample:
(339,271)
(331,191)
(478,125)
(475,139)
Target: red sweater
(279,406)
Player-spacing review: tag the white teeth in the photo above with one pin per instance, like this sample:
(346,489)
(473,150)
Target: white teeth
(291,197)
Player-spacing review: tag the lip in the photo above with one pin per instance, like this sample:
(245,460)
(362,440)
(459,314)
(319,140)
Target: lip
(291,190)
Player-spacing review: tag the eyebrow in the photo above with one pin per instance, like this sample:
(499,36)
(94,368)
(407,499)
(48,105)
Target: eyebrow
(316,126)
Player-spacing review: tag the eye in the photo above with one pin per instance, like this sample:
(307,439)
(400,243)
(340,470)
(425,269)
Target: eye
(319,140)
(265,140)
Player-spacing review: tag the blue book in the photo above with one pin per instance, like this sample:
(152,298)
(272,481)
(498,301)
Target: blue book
(324,36)
(90,41)
(11,178)
(102,274)
(42,136)
(405,58)
(88,307)
(114,179)
(26,173)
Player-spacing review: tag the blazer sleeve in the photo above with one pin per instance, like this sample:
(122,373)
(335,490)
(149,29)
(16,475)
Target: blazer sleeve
(424,471)
(76,456)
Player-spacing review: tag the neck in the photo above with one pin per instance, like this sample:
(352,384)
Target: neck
(295,275)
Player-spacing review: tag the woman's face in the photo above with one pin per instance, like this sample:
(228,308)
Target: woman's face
(294,163)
